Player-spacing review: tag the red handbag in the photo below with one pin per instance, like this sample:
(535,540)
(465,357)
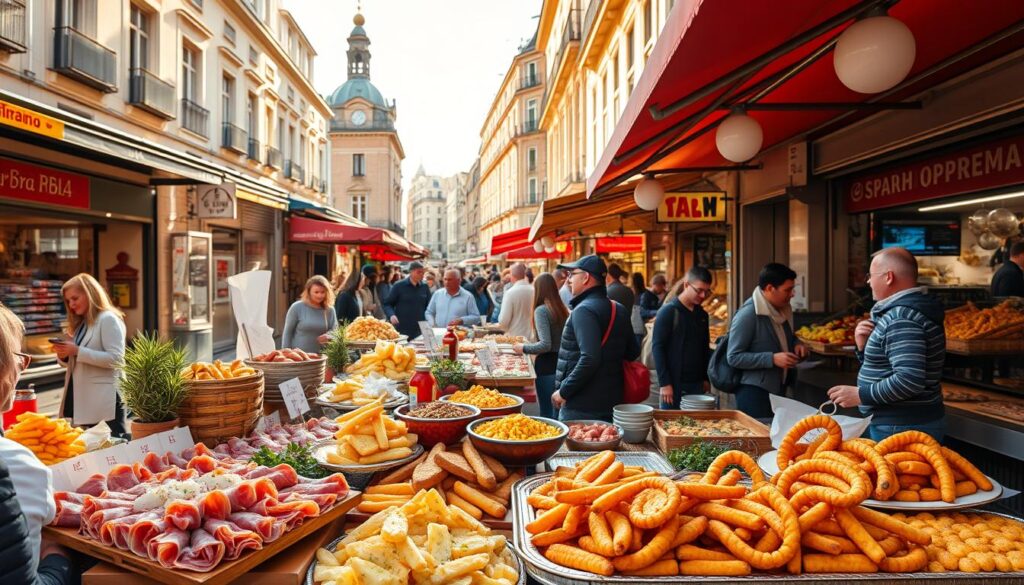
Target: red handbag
(636,378)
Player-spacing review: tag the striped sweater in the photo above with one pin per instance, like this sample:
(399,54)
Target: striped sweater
(901,366)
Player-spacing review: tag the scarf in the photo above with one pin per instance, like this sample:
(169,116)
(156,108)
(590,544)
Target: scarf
(779,318)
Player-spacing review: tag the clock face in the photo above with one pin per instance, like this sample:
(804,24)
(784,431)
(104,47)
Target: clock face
(358,117)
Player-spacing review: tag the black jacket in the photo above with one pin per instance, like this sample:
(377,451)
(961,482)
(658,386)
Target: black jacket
(1008,281)
(15,549)
(589,377)
(623,294)
(346,306)
(649,305)
(408,302)
(669,342)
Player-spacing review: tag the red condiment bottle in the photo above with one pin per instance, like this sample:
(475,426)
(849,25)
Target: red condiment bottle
(24,401)
(451,342)
(422,386)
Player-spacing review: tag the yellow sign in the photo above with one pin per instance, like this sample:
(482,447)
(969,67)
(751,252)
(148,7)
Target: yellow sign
(260,199)
(692,206)
(30,121)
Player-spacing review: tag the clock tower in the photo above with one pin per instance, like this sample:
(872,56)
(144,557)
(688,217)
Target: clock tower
(366,154)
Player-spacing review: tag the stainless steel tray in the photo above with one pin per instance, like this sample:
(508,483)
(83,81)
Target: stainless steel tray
(646,459)
(549,573)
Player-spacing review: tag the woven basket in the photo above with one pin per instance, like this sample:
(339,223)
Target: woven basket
(310,374)
(216,410)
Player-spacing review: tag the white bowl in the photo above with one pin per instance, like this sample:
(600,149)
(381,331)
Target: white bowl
(635,436)
(630,421)
(628,426)
(634,409)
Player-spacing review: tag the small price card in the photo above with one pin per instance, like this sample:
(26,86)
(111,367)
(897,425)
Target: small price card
(294,398)
(139,448)
(429,339)
(493,346)
(486,359)
(268,421)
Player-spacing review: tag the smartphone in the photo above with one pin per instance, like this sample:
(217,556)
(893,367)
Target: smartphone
(57,340)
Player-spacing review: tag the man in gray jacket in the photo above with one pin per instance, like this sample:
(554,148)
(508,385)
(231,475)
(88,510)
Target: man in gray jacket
(761,341)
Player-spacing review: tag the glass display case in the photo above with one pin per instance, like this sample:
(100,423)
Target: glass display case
(191,294)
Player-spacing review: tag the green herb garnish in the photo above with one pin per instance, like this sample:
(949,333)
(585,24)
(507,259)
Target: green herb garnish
(448,373)
(298,456)
(697,456)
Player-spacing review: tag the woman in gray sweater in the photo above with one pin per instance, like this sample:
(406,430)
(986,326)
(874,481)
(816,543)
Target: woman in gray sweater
(549,317)
(310,318)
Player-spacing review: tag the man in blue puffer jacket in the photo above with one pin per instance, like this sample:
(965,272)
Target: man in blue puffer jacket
(902,349)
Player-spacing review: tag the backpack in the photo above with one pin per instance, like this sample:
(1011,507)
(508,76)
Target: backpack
(636,378)
(722,376)
(647,349)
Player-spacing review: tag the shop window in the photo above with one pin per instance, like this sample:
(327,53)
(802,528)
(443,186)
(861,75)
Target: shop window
(62,242)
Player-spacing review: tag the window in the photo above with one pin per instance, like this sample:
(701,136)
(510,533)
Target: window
(254,56)
(531,73)
(615,84)
(197,3)
(531,115)
(648,21)
(138,39)
(189,73)
(62,242)
(79,15)
(280,135)
(291,94)
(630,57)
(532,189)
(531,159)
(229,33)
(252,106)
(227,99)
(358,165)
(359,207)
(436,184)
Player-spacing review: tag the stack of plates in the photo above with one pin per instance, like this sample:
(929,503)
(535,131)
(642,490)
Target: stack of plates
(697,402)
(636,421)
(310,374)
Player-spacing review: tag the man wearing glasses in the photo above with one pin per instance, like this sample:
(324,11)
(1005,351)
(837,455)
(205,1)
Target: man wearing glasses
(681,342)
(902,348)
(762,345)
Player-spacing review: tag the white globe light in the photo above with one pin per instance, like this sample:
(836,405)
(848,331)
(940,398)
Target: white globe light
(538,246)
(875,54)
(548,241)
(739,137)
(648,194)
(549,249)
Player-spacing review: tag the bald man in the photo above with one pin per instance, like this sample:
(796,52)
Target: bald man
(902,348)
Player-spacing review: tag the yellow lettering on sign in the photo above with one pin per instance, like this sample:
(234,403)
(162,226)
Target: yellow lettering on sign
(30,121)
(692,207)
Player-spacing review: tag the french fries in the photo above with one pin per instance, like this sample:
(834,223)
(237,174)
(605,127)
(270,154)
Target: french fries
(217,370)
(51,440)
(387,359)
(367,436)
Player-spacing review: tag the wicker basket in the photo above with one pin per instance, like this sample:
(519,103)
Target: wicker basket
(216,410)
(310,373)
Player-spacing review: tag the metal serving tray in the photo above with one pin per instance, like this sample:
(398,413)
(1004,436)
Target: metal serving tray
(548,573)
(646,459)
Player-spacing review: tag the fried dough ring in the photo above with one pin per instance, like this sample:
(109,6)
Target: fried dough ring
(860,483)
(947,483)
(652,551)
(771,540)
(818,421)
(731,477)
(825,479)
(637,515)
(784,521)
(738,458)
(812,448)
(915,560)
(885,478)
(960,463)
(898,441)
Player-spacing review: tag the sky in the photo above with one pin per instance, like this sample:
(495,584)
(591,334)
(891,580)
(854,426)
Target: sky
(441,60)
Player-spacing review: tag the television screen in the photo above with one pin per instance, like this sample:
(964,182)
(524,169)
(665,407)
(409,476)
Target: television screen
(938,237)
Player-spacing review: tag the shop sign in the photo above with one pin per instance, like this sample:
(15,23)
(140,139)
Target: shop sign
(30,121)
(217,201)
(620,244)
(43,185)
(692,206)
(990,166)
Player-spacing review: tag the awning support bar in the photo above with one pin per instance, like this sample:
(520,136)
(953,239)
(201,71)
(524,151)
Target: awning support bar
(802,106)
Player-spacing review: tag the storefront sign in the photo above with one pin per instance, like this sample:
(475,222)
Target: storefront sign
(693,206)
(620,244)
(43,185)
(217,201)
(993,165)
(30,121)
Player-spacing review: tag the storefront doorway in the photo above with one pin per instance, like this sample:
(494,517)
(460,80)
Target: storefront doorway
(226,262)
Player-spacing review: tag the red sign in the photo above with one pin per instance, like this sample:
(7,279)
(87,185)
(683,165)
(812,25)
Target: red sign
(620,244)
(43,185)
(993,165)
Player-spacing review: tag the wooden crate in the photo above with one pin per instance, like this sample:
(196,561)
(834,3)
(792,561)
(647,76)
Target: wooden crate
(754,445)
(822,348)
(985,346)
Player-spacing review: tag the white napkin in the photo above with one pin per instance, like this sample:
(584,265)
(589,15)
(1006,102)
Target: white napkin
(788,412)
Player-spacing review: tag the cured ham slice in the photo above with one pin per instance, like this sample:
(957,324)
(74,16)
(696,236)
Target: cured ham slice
(216,504)
(325,500)
(115,532)
(143,532)
(168,546)
(176,460)
(236,540)
(74,498)
(155,463)
(91,505)
(337,482)
(120,495)
(94,486)
(91,524)
(269,529)
(142,472)
(204,553)
(121,478)
(203,463)
(69,515)
(291,513)
(183,514)
(282,475)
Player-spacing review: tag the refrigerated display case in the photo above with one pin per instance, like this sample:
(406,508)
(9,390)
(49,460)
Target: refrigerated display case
(192,296)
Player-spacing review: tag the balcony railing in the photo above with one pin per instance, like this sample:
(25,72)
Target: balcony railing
(534,198)
(294,171)
(529,81)
(12,26)
(195,118)
(234,138)
(255,150)
(528,127)
(84,60)
(149,92)
(274,158)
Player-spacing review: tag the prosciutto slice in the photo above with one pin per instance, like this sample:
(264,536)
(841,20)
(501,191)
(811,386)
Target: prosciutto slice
(121,478)
(91,524)
(115,532)
(282,475)
(324,501)
(183,514)
(205,553)
(291,513)
(91,505)
(168,546)
(269,529)
(94,486)
(69,515)
(203,463)
(235,539)
(176,460)
(155,463)
(144,531)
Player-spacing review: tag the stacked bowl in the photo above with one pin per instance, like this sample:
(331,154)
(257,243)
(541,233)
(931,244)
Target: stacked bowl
(635,420)
(697,402)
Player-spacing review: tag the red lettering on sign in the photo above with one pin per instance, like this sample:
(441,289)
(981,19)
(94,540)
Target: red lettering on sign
(28,182)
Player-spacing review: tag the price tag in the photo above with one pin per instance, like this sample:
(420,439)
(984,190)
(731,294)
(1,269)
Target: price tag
(139,448)
(269,421)
(61,480)
(486,359)
(429,339)
(77,471)
(101,461)
(493,346)
(177,440)
(294,397)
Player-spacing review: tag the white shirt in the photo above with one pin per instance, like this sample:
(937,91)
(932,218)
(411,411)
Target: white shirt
(516,316)
(444,308)
(33,485)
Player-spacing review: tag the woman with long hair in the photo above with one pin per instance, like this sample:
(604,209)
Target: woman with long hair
(92,352)
(484,302)
(310,318)
(635,319)
(349,304)
(549,317)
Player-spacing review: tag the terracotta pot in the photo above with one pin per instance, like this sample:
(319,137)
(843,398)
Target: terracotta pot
(328,375)
(142,429)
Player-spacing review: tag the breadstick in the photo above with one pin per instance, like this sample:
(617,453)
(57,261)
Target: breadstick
(601,534)
(504,491)
(714,568)
(593,470)
(914,468)
(966,488)
(455,500)
(396,489)
(577,558)
(553,537)
(549,519)
(729,515)
(484,476)
(822,543)
(886,522)
(731,477)
(787,524)
(403,473)
(479,500)
(689,552)
(500,471)
(611,474)
(575,516)
(853,529)
(848,563)
(374,507)
(690,531)
(652,551)
(662,568)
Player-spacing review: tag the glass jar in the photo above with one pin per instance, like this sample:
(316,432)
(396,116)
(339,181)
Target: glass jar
(422,387)
(24,401)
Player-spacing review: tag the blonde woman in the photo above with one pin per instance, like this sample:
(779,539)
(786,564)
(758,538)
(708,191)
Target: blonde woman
(92,352)
(311,317)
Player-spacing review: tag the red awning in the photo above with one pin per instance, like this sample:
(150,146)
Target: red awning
(475,260)
(607,245)
(510,241)
(385,254)
(304,229)
(703,42)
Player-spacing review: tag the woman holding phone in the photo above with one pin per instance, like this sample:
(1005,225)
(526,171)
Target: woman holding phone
(92,352)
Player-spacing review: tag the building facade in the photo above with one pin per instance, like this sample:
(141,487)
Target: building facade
(513,150)
(143,102)
(428,212)
(473,245)
(456,246)
(366,153)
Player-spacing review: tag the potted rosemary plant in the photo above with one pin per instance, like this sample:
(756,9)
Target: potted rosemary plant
(151,384)
(337,353)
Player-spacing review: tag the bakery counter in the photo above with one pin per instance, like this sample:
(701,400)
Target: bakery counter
(984,418)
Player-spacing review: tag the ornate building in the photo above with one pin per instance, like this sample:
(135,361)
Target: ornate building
(366,154)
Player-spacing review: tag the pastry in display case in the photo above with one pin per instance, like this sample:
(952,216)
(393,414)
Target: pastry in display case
(192,265)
